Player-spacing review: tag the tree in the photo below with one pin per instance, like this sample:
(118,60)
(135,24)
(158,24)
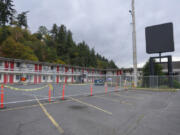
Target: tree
(22,19)
(157,68)
(112,64)
(11,49)
(61,40)
(6,11)
(54,32)
(43,31)
(62,34)
(69,42)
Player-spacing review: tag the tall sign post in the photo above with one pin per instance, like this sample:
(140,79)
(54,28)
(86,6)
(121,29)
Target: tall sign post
(134,42)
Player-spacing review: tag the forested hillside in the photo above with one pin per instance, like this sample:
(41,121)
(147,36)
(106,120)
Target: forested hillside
(55,45)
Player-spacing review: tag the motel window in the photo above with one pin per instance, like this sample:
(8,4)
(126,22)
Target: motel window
(44,77)
(30,77)
(1,63)
(51,77)
(17,77)
(0,76)
(18,64)
(52,67)
(27,77)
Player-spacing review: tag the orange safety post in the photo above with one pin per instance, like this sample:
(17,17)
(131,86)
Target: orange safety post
(116,87)
(63,91)
(2,97)
(106,87)
(91,87)
(49,94)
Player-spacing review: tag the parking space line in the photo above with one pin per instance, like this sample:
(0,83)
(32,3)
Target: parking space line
(90,105)
(128,96)
(30,106)
(50,117)
(114,100)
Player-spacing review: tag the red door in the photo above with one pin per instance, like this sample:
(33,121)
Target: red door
(36,67)
(6,65)
(40,67)
(57,68)
(12,66)
(5,78)
(35,79)
(39,78)
(66,69)
(57,79)
(11,78)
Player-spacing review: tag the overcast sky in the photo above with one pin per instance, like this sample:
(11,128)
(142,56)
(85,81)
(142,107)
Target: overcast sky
(105,24)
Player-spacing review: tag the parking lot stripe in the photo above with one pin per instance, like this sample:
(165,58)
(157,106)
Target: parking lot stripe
(114,100)
(50,117)
(127,96)
(30,106)
(90,105)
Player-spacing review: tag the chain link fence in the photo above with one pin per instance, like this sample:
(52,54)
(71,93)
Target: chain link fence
(160,82)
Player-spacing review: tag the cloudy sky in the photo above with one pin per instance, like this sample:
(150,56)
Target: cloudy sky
(106,24)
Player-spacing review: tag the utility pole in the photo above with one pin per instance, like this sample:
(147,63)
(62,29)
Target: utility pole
(134,43)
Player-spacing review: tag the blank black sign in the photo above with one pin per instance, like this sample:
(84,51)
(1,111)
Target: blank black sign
(159,38)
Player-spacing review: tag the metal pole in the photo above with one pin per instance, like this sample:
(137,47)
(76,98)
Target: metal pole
(134,43)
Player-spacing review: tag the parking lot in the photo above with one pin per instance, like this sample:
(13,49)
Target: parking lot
(126,112)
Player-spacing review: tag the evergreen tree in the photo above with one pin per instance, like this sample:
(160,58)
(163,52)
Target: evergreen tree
(61,40)
(6,11)
(54,32)
(22,19)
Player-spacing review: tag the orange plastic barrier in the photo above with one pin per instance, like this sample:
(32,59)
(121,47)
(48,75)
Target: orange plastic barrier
(106,87)
(91,88)
(63,91)
(49,94)
(2,97)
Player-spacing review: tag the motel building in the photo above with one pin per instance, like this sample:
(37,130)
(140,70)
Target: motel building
(16,70)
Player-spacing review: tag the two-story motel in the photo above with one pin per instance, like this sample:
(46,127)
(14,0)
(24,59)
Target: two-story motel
(13,70)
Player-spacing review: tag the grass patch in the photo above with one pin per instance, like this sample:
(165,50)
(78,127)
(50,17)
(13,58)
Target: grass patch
(157,89)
